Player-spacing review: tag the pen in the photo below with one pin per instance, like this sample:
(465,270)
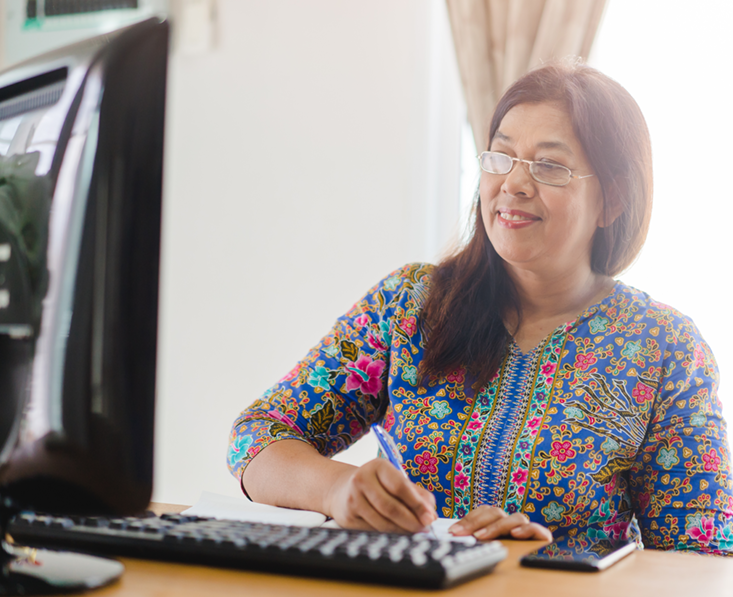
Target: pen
(388,447)
(393,455)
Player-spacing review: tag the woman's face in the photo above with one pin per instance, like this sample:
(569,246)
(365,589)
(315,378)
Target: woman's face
(533,226)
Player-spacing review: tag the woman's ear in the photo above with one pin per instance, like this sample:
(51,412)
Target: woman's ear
(613,206)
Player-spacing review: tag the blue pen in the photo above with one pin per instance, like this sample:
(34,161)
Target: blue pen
(388,447)
(393,455)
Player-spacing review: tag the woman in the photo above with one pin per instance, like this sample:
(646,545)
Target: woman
(527,391)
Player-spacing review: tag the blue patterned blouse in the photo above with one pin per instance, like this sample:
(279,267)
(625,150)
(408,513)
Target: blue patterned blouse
(610,427)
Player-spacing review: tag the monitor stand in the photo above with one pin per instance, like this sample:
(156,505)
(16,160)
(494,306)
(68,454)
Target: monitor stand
(31,571)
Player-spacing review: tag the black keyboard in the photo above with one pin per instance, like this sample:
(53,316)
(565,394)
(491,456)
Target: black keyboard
(385,558)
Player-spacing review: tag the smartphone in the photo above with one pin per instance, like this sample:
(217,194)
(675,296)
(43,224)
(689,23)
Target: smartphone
(568,554)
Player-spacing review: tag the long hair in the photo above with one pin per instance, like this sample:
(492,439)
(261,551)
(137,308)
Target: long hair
(471,293)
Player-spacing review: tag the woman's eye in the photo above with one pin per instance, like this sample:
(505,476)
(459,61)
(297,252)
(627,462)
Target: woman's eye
(550,163)
(547,166)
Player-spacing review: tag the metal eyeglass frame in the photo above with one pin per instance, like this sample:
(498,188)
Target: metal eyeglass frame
(531,164)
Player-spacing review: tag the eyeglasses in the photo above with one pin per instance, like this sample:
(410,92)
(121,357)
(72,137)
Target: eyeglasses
(555,175)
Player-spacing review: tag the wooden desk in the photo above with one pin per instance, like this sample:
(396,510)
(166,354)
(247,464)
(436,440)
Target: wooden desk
(647,573)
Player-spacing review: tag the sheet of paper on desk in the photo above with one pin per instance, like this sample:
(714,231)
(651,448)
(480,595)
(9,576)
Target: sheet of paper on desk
(438,530)
(221,506)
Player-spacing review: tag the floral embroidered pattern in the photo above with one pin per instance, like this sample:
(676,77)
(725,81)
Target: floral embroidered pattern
(466,454)
(364,375)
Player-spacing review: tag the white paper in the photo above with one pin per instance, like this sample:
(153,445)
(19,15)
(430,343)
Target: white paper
(214,505)
(439,530)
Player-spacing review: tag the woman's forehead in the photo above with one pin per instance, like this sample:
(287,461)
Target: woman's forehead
(542,126)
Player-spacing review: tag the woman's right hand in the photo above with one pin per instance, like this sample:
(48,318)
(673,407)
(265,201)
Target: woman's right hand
(380,497)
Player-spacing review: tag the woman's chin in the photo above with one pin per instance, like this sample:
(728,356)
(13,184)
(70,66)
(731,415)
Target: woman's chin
(519,256)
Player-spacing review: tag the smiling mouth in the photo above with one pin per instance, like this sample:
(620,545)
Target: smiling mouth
(517,217)
(513,218)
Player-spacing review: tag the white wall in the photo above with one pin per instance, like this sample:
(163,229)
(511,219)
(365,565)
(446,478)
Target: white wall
(311,152)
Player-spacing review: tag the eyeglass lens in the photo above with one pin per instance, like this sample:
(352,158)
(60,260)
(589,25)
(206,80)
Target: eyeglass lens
(499,163)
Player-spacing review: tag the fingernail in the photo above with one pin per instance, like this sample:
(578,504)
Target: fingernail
(457,528)
(481,533)
(427,519)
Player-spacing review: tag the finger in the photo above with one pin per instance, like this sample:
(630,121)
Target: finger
(421,505)
(531,531)
(427,495)
(373,520)
(417,499)
(477,519)
(501,527)
(387,505)
(367,518)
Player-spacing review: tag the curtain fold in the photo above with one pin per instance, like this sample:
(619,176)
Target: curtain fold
(497,41)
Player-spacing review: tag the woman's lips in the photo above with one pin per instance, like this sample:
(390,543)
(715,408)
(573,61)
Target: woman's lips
(514,218)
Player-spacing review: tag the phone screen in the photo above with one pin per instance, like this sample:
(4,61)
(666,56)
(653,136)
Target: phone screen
(572,554)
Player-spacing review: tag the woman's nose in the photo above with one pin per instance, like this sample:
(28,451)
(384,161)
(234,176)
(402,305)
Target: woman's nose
(519,181)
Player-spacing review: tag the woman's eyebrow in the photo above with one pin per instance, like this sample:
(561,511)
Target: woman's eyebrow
(498,135)
(555,145)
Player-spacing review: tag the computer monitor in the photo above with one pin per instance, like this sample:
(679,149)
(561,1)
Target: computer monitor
(81,158)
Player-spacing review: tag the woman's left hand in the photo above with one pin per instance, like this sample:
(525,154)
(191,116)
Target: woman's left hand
(489,522)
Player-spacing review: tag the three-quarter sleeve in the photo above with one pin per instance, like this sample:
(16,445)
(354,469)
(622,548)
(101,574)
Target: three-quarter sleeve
(681,481)
(333,395)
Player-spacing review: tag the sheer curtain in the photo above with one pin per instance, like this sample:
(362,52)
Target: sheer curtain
(499,40)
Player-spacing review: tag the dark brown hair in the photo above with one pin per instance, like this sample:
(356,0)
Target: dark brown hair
(471,292)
